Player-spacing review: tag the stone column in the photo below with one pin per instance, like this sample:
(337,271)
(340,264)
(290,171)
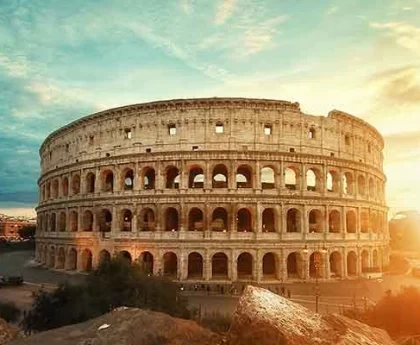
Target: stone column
(344,263)
(232,175)
(303,185)
(115,220)
(137,178)
(257,267)
(256,183)
(327,265)
(207,266)
(117,180)
(233,210)
(97,180)
(159,218)
(95,225)
(134,219)
(280,177)
(183,266)
(234,267)
(207,177)
(79,219)
(82,182)
(305,222)
(258,218)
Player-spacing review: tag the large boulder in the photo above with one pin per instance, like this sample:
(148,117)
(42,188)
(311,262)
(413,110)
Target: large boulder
(127,326)
(264,318)
(7,332)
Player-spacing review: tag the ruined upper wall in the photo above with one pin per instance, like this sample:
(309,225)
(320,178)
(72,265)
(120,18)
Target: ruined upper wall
(146,127)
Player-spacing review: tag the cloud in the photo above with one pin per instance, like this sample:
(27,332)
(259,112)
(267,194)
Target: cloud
(187,6)
(18,67)
(224,11)
(332,10)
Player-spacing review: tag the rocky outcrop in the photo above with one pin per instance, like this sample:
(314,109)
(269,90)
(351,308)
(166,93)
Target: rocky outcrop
(264,318)
(7,332)
(127,326)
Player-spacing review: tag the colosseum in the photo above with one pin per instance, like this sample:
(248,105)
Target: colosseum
(215,190)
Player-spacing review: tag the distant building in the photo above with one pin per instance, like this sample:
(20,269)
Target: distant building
(9,226)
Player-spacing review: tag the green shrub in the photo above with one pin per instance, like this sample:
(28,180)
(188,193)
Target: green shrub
(9,312)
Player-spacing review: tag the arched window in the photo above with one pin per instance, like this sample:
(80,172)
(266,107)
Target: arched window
(268,220)
(267,178)
(311,180)
(125,257)
(128,179)
(290,179)
(244,220)
(335,264)
(170,264)
(149,178)
(90,183)
(244,267)
(220,176)
(316,265)
(75,184)
(219,220)
(127,218)
(195,220)
(53,222)
(171,219)
(295,265)
(371,188)
(87,260)
(146,262)
(196,178)
(105,221)
(293,220)
(351,263)
(62,221)
(73,221)
(147,220)
(87,221)
(361,185)
(334,221)
(172,178)
(332,182)
(315,221)
(219,266)
(54,186)
(104,257)
(244,177)
(195,266)
(351,222)
(348,185)
(65,186)
(270,263)
(311,133)
(364,222)
(107,181)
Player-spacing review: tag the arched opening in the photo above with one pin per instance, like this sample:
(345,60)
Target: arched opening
(54,187)
(375,262)
(268,220)
(290,178)
(244,220)
(146,262)
(315,221)
(90,183)
(364,222)
(219,220)
(72,259)
(333,182)
(195,266)
(147,220)
(196,178)
(61,259)
(104,257)
(75,184)
(171,219)
(361,185)
(149,178)
(128,179)
(335,264)
(125,257)
(267,178)
(244,267)
(195,220)
(365,261)
(351,264)
(48,189)
(65,186)
(334,222)
(45,256)
(315,265)
(351,222)
(62,221)
(371,188)
(219,266)
(87,260)
(294,265)
(348,185)
(220,176)
(105,221)
(53,221)
(269,266)
(107,181)
(87,221)
(244,177)
(311,133)
(293,220)
(313,182)
(172,178)
(51,262)
(170,265)
(373,222)
(127,220)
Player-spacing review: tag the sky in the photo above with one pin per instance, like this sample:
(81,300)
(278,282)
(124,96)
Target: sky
(61,60)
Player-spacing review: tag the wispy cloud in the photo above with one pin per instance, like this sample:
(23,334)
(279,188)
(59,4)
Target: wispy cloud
(224,11)
(17,67)
(187,6)
(332,10)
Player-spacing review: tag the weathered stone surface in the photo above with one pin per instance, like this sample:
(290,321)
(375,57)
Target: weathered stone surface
(7,332)
(264,318)
(128,326)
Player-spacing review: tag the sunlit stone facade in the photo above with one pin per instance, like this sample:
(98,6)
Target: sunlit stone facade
(218,189)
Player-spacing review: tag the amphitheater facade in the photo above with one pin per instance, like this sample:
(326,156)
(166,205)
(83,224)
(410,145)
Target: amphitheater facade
(215,190)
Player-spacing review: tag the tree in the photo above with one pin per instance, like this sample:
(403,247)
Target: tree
(27,232)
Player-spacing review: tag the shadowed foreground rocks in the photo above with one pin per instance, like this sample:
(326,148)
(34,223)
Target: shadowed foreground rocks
(127,326)
(264,318)
(7,332)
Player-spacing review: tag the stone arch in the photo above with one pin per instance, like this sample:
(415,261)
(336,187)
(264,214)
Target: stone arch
(61,258)
(90,182)
(104,257)
(53,222)
(316,221)
(291,178)
(351,263)
(126,220)
(72,259)
(105,220)
(334,222)
(244,267)
(107,180)
(268,178)
(146,262)
(196,177)
(372,188)
(170,264)
(219,266)
(269,220)
(147,219)
(295,265)
(220,176)
(125,257)
(365,261)
(45,258)
(51,257)
(173,178)
(351,223)
(333,181)
(219,220)
(311,133)
(87,221)
(149,178)
(54,188)
(336,264)
(87,260)
(244,220)
(293,222)
(348,183)
(195,220)
(361,185)
(62,221)
(75,184)
(313,180)
(244,176)
(316,265)
(364,221)
(195,266)
(171,219)
(373,222)
(270,266)
(375,260)
(127,182)
(65,186)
